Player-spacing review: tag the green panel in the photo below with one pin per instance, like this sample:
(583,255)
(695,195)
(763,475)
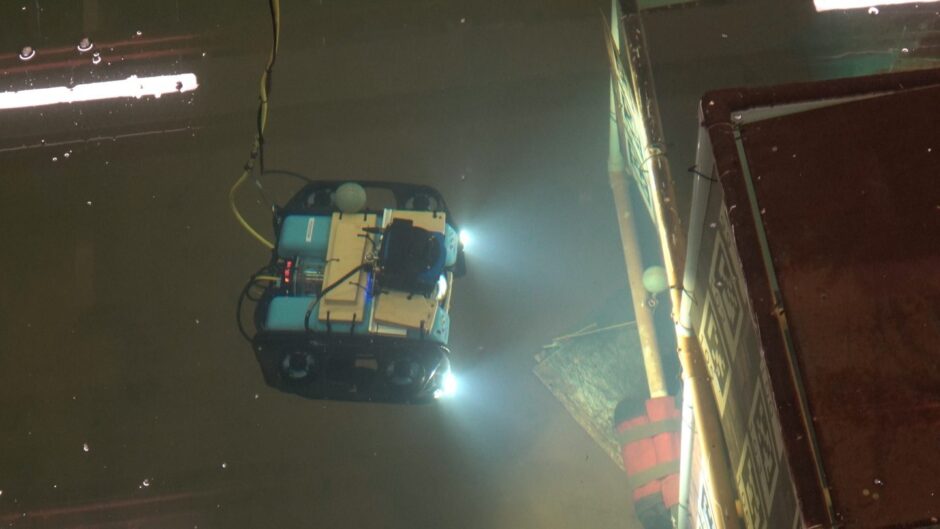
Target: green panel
(590,374)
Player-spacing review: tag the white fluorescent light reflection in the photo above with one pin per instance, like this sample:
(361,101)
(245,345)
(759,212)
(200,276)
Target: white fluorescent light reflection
(829,5)
(133,86)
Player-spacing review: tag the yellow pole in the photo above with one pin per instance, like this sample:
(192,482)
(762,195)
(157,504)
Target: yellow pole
(620,186)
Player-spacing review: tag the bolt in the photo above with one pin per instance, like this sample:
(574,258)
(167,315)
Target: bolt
(27,53)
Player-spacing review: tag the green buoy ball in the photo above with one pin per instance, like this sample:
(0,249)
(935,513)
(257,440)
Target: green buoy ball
(654,279)
(350,197)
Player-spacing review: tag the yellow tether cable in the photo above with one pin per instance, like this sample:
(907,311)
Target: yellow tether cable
(275,6)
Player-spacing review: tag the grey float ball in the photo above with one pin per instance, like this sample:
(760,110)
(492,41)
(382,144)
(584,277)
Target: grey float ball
(350,197)
(654,279)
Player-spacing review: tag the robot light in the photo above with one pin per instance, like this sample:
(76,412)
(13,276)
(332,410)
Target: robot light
(466,239)
(448,386)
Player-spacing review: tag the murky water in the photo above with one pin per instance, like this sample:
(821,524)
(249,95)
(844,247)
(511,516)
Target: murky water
(127,396)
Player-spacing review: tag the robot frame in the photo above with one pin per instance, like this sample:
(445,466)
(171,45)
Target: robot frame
(354,303)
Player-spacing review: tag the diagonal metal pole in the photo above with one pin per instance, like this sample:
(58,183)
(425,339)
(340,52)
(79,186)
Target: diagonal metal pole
(620,186)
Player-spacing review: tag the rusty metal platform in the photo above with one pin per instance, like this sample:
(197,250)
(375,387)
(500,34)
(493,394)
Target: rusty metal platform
(829,208)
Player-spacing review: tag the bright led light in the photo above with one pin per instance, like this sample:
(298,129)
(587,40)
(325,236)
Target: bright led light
(448,386)
(829,5)
(441,288)
(465,238)
(133,86)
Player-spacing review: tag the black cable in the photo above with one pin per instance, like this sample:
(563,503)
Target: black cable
(238,313)
(241,299)
(263,286)
(275,39)
(325,291)
(365,236)
(298,176)
(268,81)
(694,170)
(260,141)
(264,194)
